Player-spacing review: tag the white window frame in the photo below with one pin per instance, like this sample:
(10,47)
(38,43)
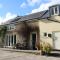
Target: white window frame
(11,27)
(31,38)
(54,10)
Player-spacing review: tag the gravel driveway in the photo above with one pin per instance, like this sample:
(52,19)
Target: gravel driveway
(8,55)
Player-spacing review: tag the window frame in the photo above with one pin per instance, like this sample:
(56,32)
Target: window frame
(49,35)
(11,27)
(45,34)
(54,10)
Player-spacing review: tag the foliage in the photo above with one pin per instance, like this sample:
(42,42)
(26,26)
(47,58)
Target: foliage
(3,30)
(18,45)
(45,47)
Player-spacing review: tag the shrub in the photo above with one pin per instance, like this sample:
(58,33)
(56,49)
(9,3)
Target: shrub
(45,47)
(18,45)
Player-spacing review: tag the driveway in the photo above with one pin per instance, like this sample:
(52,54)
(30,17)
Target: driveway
(9,55)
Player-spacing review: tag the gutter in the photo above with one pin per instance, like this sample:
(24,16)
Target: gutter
(53,20)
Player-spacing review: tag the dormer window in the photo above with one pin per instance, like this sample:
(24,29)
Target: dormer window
(54,10)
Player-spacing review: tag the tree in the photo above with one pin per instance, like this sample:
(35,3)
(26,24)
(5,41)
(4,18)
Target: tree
(3,30)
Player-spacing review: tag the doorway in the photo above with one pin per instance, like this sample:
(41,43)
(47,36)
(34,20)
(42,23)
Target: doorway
(33,41)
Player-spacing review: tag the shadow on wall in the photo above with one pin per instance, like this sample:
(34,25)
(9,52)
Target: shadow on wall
(25,31)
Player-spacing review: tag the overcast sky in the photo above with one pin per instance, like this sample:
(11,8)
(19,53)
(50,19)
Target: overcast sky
(12,8)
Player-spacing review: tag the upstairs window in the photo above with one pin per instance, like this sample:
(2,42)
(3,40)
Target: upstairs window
(54,10)
(11,27)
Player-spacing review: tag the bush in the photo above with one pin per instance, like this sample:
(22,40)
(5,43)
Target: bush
(18,45)
(45,47)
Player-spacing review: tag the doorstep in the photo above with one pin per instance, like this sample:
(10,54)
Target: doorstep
(23,51)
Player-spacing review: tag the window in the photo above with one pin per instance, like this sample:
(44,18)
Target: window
(49,35)
(11,27)
(54,10)
(45,34)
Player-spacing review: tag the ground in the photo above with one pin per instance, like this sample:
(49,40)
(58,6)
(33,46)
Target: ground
(9,55)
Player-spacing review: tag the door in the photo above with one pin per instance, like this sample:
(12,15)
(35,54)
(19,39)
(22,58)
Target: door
(33,41)
(57,40)
(10,40)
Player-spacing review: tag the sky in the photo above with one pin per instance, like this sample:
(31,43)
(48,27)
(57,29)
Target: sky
(12,8)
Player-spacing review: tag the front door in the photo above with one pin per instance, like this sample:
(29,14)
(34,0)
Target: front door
(33,41)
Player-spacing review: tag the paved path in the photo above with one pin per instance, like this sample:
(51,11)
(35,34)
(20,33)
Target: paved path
(9,55)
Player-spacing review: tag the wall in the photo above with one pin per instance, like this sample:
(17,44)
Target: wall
(24,30)
(9,33)
(48,27)
(55,18)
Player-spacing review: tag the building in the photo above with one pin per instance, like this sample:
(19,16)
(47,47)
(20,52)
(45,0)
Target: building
(29,30)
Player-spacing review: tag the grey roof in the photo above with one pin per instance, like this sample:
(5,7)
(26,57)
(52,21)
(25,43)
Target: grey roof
(54,5)
(46,15)
(13,20)
(41,15)
(38,15)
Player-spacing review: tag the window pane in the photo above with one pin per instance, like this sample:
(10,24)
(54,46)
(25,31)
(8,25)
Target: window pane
(45,34)
(7,40)
(59,9)
(49,35)
(56,10)
(52,11)
(14,39)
